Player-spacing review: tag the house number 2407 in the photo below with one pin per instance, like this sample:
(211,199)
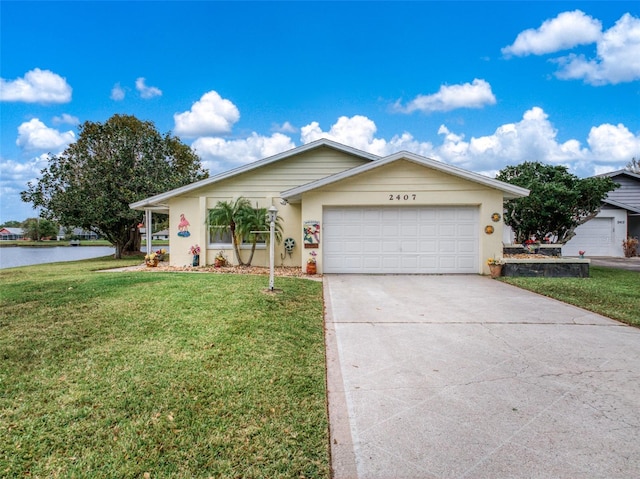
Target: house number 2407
(406,197)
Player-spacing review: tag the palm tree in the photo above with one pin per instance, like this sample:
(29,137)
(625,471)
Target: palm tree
(254,220)
(227,215)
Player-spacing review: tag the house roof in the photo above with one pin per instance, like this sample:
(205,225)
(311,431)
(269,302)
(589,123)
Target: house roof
(623,206)
(628,173)
(158,202)
(11,231)
(509,191)
(628,195)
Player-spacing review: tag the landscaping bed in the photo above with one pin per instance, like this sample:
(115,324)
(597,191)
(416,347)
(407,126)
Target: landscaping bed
(541,265)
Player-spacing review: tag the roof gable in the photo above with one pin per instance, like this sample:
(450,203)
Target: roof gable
(159,201)
(627,195)
(509,191)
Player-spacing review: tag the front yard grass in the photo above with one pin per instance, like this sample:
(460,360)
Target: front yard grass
(160,375)
(614,293)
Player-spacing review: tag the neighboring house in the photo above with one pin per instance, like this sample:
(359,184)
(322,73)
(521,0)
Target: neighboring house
(160,235)
(618,219)
(76,233)
(7,234)
(360,213)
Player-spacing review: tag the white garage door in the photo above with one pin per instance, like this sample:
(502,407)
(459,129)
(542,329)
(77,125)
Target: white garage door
(424,240)
(595,237)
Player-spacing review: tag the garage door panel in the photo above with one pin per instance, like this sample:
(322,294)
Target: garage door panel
(389,246)
(389,231)
(408,246)
(408,230)
(390,214)
(371,229)
(428,246)
(447,230)
(371,246)
(371,214)
(400,240)
(428,230)
(466,247)
(446,246)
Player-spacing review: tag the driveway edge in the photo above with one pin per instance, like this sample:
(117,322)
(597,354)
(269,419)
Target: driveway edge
(342,455)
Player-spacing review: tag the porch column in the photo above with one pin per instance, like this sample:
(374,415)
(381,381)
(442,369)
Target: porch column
(148,229)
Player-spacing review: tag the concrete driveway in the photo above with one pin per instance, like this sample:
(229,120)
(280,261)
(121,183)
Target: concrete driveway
(467,377)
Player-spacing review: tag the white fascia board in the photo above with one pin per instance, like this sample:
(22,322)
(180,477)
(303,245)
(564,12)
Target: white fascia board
(157,199)
(623,206)
(509,191)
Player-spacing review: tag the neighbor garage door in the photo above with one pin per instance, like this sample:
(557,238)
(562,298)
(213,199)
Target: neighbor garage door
(595,237)
(425,239)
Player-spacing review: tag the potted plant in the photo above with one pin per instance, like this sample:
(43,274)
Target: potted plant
(151,260)
(311,263)
(495,266)
(220,260)
(195,252)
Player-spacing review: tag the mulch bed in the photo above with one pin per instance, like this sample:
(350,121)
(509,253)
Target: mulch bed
(281,271)
(529,256)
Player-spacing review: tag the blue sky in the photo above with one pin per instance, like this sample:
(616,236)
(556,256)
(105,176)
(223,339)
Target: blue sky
(480,85)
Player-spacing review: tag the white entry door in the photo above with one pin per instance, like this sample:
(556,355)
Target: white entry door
(402,239)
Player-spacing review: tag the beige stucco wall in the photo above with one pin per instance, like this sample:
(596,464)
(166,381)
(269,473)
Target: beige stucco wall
(431,187)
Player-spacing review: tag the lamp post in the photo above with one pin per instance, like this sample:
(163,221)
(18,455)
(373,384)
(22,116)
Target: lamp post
(273,214)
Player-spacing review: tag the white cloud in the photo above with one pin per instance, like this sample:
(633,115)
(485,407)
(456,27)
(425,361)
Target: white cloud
(613,144)
(563,32)
(450,97)
(286,127)
(218,154)
(117,92)
(145,91)
(618,57)
(37,86)
(35,135)
(359,132)
(531,139)
(211,115)
(66,118)
(18,174)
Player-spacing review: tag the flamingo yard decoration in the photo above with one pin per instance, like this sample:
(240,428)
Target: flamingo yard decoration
(183,226)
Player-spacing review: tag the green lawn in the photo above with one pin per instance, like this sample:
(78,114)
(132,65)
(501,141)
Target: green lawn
(166,374)
(611,292)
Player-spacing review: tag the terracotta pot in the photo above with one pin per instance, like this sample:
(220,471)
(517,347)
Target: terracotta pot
(311,268)
(496,270)
(152,263)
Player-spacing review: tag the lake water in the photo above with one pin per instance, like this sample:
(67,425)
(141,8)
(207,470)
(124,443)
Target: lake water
(13,256)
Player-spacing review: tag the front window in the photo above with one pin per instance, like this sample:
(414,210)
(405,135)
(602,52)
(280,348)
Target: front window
(220,237)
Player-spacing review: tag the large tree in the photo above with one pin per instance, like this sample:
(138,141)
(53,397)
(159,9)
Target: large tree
(559,201)
(124,160)
(36,229)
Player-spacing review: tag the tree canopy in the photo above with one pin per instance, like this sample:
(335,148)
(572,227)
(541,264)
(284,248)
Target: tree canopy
(36,229)
(559,201)
(91,184)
